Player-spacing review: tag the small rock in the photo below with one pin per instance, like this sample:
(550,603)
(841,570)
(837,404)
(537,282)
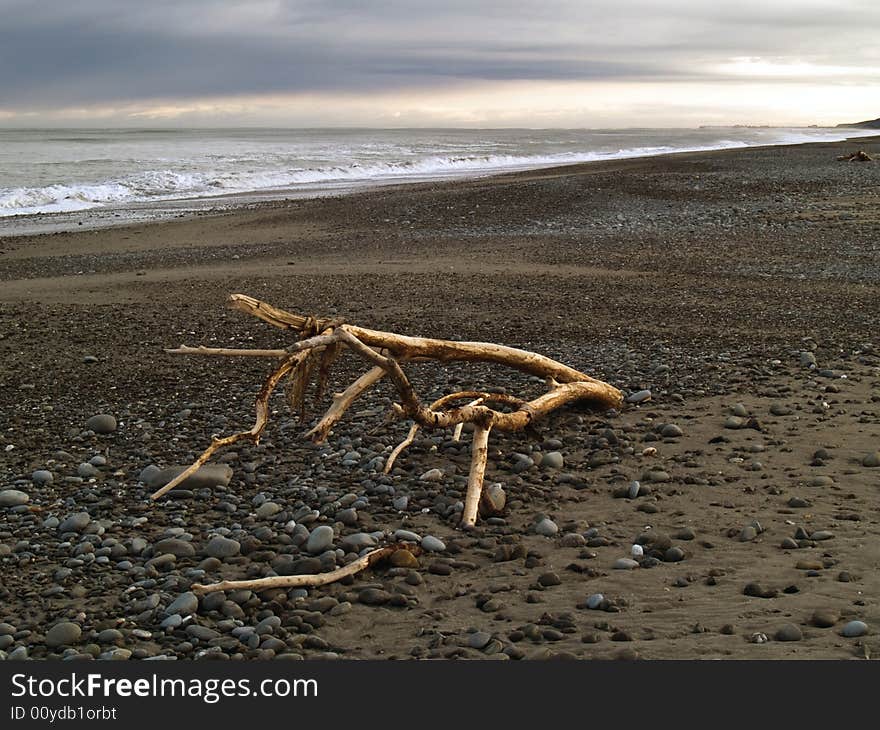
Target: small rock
(65,633)
(854,629)
(495,498)
(670,430)
(222,547)
(75,523)
(625,564)
(41,477)
(548,580)
(101,423)
(432,475)
(432,544)
(13,498)
(86,470)
(546,527)
(479,639)
(267,510)
(674,555)
(320,540)
(748,534)
(553,460)
(788,632)
(185,604)
(640,396)
(403,559)
(824,618)
(872,460)
(594,602)
(207,476)
(759,591)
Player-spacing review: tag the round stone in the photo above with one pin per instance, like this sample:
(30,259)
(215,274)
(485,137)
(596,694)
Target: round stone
(854,629)
(637,551)
(748,533)
(634,488)
(149,473)
(268,509)
(670,430)
(86,470)
(479,639)
(546,527)
(13,498)
(184,605)
(789,632)
(674,555)
(42,477)
(222,547)
(432,544)
(65,633)
(179,548)
(872,460)
(101,423)
(595,601)
(320,540)
(75,523)
(625,564)
(553,460)
(824,618)
(640,396)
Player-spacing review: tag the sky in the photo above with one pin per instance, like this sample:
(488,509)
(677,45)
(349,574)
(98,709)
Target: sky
(451,63)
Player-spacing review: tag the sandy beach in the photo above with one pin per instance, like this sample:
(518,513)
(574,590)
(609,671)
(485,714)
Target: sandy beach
(739,287)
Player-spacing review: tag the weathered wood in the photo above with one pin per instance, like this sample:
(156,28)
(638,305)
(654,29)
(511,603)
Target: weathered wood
(387,352)
(304,581)
(479,457)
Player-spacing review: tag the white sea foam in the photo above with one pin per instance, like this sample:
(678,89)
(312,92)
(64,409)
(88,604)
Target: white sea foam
(211,164)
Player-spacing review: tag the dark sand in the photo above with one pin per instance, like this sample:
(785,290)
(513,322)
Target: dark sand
(700,276)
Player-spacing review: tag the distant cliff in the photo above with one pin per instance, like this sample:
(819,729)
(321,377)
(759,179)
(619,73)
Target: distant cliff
(870,124)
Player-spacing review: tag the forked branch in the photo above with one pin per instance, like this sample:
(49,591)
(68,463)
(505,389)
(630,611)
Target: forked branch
(387,352)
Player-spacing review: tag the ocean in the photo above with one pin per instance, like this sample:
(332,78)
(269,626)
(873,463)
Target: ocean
(55,179)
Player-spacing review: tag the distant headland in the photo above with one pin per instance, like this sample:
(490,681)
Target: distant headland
(870,124)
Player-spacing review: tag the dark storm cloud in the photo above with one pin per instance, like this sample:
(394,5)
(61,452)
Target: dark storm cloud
(94,51)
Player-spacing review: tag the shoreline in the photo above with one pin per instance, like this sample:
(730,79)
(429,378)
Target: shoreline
(147,212)
(734,285)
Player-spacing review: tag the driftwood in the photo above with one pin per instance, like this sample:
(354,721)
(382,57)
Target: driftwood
(322,340)
(860,156)
(305,581)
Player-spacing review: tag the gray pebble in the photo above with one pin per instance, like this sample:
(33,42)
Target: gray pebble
(75,523)
(625,564)
(854,629)
(13,498)
(788,632)
(222,547)
(553,460)
(640,396)
(479,639)
(432,544)
(320,540)
(86,470)
(101,423)
(185,604)
(357,541)
(42,477)
(65,633)
(268,509)
(546,527)
(595,601)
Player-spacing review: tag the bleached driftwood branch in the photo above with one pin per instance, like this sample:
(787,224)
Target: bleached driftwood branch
(320,342)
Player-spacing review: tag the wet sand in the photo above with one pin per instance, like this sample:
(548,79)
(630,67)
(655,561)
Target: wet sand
(733,285)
